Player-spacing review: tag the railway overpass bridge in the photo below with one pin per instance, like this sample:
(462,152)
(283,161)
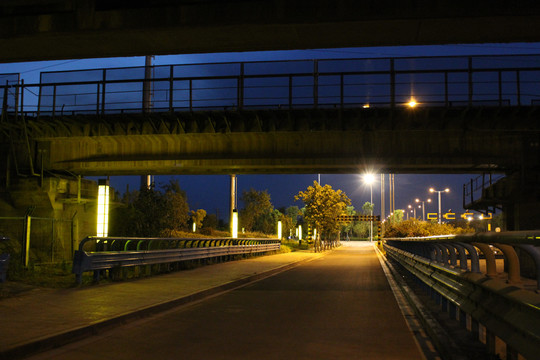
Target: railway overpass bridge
(470,114)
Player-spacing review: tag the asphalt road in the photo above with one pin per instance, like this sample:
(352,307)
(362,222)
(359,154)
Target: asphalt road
(339,306)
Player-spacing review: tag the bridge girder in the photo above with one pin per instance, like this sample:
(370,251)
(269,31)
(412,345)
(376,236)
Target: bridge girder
(62,29)
(430,140)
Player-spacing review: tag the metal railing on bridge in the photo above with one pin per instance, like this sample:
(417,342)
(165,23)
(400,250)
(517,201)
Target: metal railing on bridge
(329,83)
(117,252)
(460,272)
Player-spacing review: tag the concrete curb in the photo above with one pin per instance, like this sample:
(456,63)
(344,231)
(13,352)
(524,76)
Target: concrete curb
(53,341)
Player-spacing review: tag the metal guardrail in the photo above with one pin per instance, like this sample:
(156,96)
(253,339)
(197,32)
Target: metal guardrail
(326,83)
(166,250)
(96,243)
(449,267)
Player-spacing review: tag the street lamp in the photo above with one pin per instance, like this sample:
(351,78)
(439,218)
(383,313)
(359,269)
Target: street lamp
(413,210)
(439,192)
(423,207)
(368,180)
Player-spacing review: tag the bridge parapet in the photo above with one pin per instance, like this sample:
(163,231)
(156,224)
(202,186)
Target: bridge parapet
(326,83)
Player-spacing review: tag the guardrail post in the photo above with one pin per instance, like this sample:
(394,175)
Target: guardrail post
(518,88)
(315,83)
(470,81)
(171,88)
(103,92)
(190,94)
(491,268)
(446,103)
(54,101)
(341,90)
(513,263)
(535,254)
(392,85)
(462,256)
(500,88)
(290,91)
(240,88)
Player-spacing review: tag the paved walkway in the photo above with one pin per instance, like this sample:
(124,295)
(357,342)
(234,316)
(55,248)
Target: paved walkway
(44,318)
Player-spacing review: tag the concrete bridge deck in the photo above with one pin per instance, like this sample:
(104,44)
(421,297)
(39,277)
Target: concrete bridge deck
(336,306)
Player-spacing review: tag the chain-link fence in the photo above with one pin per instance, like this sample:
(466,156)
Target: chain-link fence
(50,240)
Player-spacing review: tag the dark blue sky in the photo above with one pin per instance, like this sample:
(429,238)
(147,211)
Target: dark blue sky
(212,192)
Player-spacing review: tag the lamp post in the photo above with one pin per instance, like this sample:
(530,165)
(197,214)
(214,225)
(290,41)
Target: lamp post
(423,207)
(368,180)
(439,193)
(412,209)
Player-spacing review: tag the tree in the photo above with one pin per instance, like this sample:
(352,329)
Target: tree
(367,208)
(257,214)
(210,221)
(176,206)
(197,217)
(396,217)
(323,206)
(290,219)
(151,213)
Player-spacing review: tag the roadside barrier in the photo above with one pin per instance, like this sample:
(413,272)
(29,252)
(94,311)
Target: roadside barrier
(112,253)
(495,309)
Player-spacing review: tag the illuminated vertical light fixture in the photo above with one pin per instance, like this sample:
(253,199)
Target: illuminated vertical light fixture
(279,229)
(194,226)
(299,232)
(103,208)
(368,180)
(235,224)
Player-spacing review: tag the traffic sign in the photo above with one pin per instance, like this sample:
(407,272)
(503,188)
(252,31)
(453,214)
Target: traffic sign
(449,216)
(432,216)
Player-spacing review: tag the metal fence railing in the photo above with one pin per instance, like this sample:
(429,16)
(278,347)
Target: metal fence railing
(449,267)
(475,189)
(512,80)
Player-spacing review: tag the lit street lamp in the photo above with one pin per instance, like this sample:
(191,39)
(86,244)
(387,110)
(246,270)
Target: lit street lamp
(423,207)
(439,193)
(368,180)
(413,210)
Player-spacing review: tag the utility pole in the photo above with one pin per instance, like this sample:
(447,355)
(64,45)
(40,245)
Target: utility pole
(147,180)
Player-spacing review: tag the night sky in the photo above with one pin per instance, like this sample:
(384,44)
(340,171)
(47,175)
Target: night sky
(212,192)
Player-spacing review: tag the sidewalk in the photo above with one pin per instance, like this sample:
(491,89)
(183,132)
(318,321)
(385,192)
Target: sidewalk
(46,318)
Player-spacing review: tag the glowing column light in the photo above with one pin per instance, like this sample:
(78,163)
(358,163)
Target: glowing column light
(299,232)
(235,224)
(194,226)
(103,208)
(279,229)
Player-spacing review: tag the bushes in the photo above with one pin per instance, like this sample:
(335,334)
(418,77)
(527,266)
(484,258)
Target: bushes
(414,227)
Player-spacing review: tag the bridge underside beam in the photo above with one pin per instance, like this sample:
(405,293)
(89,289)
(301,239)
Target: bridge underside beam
(304,141)
(64,29)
